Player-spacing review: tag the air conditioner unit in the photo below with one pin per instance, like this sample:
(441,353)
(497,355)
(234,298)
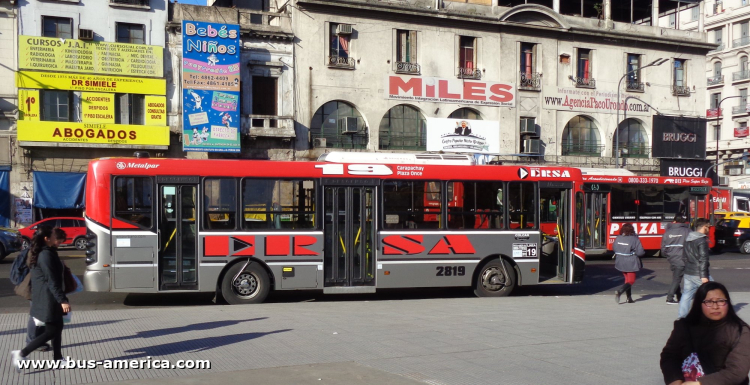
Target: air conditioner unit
(344,29)
(532,146)
(85,34)
(348,125)
(319,142)
(723,181)
(528,127)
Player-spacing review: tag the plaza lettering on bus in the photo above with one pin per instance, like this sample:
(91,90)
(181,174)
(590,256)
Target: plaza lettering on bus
(643,228)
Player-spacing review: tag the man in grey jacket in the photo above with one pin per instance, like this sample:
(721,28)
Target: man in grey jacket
(696,264)
(672,247)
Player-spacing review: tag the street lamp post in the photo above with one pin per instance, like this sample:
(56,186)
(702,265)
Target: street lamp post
(718,122)
(654,63)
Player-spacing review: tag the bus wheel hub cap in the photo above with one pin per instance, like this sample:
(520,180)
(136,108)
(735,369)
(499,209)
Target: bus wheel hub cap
(245,284)
(493,279)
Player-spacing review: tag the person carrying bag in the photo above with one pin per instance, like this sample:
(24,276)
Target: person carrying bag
(628,252)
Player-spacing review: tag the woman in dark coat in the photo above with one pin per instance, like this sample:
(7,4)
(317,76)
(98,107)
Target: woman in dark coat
(719,337)
(628,250)
(48,300)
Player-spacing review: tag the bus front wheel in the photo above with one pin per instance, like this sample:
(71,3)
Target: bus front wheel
(495,279)
(245,286)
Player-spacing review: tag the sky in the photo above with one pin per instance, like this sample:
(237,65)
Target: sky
(197,2)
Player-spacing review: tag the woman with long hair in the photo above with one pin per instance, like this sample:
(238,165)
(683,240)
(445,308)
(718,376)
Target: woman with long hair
(714,333)
(48,300)
(628,252)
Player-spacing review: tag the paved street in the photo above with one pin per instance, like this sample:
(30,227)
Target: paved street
(551,334)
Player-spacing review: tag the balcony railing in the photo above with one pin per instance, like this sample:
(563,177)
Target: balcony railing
(587,148)
(332,140)
(266,21)
(407,68)
(341,62)
(741,75)
(395,142)
(635,86)
(716,80)
(741,42)
(680,90)
(531,81)
(634,150)
(469,73)
(585,82)
(142,3)
(739,110)
(717,49)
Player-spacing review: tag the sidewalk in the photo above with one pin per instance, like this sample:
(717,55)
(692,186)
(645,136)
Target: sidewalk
(517,340)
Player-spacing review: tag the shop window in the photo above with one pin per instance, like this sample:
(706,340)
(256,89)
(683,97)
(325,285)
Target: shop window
(131,33)
(278,204)
(522,207)
(60,27)
(412,204)
(130,109)
(403,128)
(338,124)
(581,137)
(133,200)
(475,205)
(219,204)
(56,105)
(632,140)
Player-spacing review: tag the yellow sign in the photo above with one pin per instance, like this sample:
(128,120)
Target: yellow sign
(97,108)
(28,105)
(53,54)
(156,111)
(95,83)
(87,133)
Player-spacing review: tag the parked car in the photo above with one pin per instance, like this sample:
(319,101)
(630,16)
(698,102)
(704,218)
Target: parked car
(734,231)
(74,227)
(10,241)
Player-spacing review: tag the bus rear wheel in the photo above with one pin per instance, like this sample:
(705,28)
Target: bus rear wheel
(495,279)
(250,285)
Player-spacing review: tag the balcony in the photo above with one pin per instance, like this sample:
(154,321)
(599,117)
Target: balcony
(634,150)
(635,86)
(268,126)
(469,73)
(741,42)
(717,49)
(132,3)
(739,110)
(408,68)
(266,21)
(532,81)
(741,75)
(715,81)
(334,140)
(585,82)
(680,90)
(586,148)
(406,143)
(341,62)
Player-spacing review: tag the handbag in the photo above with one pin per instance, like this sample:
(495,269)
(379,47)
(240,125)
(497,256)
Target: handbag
(24,288)
(69,282)
(692,369)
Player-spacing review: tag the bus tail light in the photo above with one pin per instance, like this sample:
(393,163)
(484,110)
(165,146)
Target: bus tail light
(91,248)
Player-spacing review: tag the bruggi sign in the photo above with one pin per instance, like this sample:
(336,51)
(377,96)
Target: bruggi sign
(440,90)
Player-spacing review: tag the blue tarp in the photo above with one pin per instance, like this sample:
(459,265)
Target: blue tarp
(4,199)
(59,190)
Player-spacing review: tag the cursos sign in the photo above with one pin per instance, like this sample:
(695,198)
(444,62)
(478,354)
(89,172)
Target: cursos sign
(463,91)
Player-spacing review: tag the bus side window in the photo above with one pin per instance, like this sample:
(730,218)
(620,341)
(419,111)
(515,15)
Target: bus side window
(522,207)
(219,204)
(132,196)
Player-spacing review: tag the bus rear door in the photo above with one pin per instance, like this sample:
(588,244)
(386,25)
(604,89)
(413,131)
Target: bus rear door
(596,217)
(177,229)
(556,201)
(349,231)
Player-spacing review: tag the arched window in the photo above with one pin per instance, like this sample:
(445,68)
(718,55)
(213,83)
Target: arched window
(632,139)
(581,137)
(717,69)
(465,113)
(403,128)
(340,124)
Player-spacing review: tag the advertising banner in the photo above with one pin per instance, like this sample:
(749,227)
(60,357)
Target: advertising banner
(210,86)
(68,55)
(678,137)
(462,135)
(687,169)
(93,83)
(86,133)
(741,132)
(97,107)
(593,100)
(713,112)
(23,211)
(28,105)
(439,90)
(156,110)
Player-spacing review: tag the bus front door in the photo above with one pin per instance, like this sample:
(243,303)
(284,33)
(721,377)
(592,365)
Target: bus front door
(596,221)
(178,267)
(349,231)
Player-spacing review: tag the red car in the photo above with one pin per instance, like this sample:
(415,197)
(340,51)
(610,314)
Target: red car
(74,227)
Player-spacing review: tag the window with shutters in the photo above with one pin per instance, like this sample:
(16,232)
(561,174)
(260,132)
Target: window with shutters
(406,52)
(584,70)
(530,78)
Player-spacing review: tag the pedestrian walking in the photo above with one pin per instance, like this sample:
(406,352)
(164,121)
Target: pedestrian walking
(696,264)
(709,346)
(628,252)
(672,247)
(49,302)
(18,272)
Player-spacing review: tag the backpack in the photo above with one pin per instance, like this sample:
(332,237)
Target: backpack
(19,269)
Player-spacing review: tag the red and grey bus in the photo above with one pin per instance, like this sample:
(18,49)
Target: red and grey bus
(649,203)
(349,223)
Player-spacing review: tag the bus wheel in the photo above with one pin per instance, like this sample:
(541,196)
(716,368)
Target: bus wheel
(496,279)
(745,248)
(251,285)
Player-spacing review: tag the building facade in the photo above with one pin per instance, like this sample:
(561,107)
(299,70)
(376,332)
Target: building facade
(384,76)
(90,84)
(8,104)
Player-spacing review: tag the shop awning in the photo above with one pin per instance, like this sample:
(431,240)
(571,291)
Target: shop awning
(59,190)
(4,198)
